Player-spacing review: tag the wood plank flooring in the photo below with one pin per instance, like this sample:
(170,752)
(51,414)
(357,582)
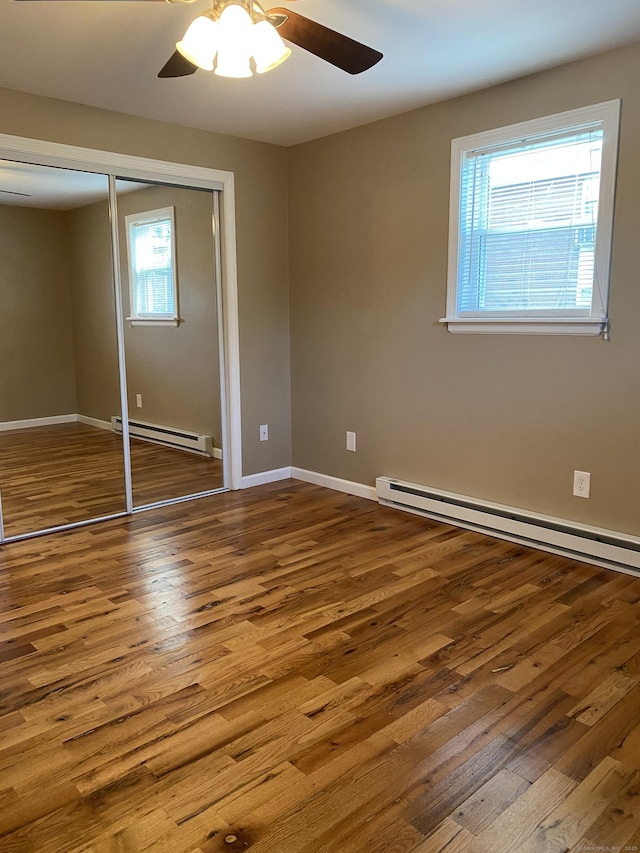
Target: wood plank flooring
(66,473)
(294,670)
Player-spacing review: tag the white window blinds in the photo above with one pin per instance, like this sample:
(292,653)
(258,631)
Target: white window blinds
(528,224)
(150,238)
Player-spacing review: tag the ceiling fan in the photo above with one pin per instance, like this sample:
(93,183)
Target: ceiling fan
(233,32)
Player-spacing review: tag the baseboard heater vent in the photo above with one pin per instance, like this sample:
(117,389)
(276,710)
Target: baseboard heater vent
(178,438)
(590,544)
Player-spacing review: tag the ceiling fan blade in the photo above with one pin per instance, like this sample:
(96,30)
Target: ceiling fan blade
(177,66)
(345,53)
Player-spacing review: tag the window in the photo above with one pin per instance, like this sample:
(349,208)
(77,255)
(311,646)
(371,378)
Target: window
(530,225)
(152,267)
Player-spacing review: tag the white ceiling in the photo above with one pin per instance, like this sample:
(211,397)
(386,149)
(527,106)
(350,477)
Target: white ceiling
(107,54)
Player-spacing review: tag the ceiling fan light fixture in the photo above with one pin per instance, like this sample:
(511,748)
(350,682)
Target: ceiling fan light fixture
(200,42)
(234,35)
(269,50)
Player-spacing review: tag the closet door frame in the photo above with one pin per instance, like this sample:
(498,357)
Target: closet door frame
(40,152)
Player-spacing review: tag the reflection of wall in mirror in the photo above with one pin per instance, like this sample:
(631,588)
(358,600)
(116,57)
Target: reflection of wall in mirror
(57,327)
(176,369)
(94,322)
(37,379)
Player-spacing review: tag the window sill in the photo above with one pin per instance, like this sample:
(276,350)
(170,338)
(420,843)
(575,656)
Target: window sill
(143,321)
(523,326)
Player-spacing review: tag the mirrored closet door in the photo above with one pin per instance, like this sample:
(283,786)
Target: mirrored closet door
(110,356)
(60,461)
(167,249)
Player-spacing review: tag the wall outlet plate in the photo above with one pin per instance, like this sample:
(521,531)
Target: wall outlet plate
(581,484)
(351,441)
(264,432)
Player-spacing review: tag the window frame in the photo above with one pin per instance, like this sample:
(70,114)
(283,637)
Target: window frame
(156,319)
(558,321)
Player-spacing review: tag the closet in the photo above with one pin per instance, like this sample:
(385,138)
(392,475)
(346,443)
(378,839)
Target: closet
(114,389)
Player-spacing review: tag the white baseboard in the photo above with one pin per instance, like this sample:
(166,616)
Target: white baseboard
(95,422)
(217,453)
(335,483)
(264,477)
(38,422)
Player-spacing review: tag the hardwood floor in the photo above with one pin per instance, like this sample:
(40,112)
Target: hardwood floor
(72,472)
(291,669)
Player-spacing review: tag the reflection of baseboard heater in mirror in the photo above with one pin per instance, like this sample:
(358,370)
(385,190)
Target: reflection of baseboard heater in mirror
(181,439)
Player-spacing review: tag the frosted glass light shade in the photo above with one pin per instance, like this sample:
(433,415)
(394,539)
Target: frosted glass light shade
(268,48)
(200,42)
(235,22)
(235,45)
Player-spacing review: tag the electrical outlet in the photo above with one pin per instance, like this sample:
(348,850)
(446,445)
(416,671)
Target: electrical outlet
(139,400)
(264,432)
(351,441)
(581,484)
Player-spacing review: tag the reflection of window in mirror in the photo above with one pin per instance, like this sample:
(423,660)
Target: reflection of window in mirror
(151,248)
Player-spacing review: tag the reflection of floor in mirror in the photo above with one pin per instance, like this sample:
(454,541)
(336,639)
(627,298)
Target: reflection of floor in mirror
(66,473)
(159,473)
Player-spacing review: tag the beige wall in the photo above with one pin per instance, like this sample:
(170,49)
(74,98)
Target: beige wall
(505,418)
(261,215)
(176,369)
(37,377)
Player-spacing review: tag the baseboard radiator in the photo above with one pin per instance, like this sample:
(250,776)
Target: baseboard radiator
(179,438)
(592,545)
